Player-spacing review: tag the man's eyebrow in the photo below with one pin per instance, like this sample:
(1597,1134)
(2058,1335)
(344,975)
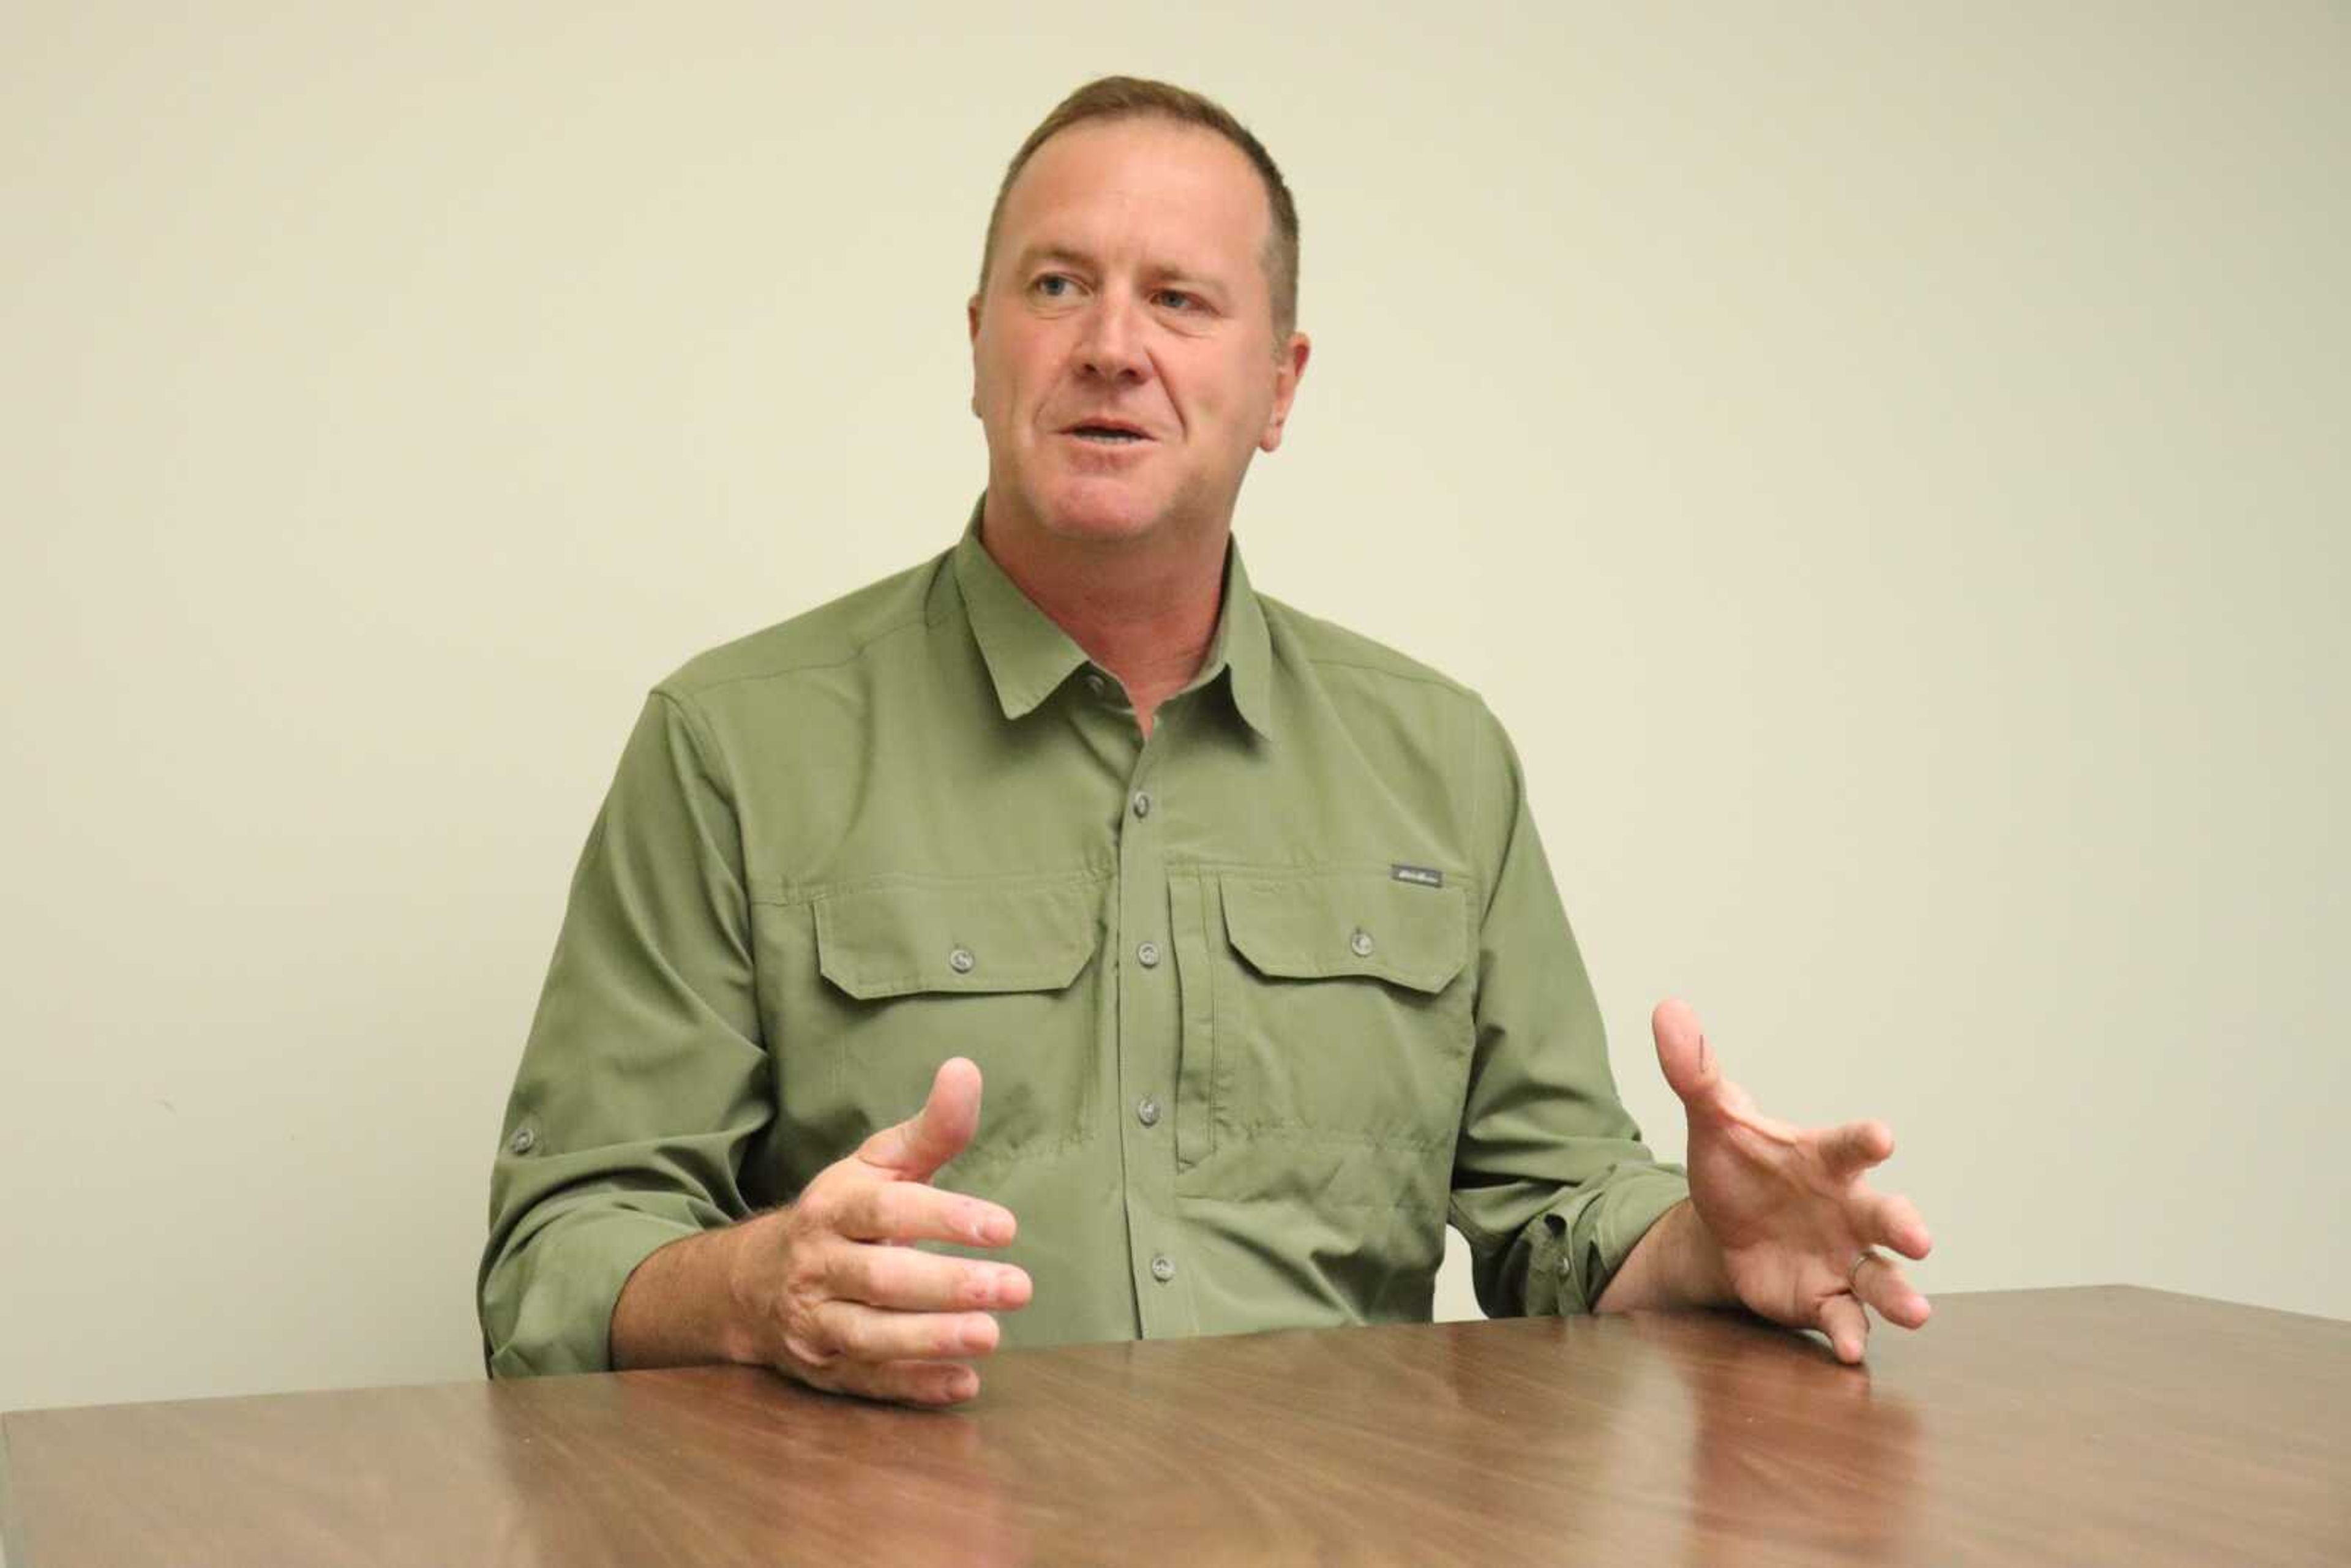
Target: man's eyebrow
(1208,285)
(1060,253)
(1164,271)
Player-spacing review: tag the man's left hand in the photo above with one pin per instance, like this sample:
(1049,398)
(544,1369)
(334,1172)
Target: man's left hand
(1798,1227)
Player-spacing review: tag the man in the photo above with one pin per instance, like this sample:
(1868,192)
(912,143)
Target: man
(1240,919)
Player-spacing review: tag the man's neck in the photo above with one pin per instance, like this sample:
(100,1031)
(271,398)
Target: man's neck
(1144,609)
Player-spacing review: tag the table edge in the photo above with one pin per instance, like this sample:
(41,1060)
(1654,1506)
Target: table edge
(7,1417)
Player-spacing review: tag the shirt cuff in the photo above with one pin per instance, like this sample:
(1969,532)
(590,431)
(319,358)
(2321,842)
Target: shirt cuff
(547,1309)
(1583,1248)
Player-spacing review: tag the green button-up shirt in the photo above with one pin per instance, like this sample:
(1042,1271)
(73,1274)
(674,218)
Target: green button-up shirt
(1261,1003)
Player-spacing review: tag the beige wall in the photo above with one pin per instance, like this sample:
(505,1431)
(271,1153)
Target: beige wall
(1886,463)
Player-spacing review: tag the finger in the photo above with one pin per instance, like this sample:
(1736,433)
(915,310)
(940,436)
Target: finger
(899,1381)
(904,1211)
(1889,1220)
(1846,1325)
(1856,1146)
(937,1133)
(1881,1283)
(1687,1061)
(927,1382)
(903,1279)
(860,1332)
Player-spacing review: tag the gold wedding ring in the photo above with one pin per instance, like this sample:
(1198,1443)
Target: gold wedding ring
(1853,1274)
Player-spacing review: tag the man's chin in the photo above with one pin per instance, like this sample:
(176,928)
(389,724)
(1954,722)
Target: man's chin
(1091,516)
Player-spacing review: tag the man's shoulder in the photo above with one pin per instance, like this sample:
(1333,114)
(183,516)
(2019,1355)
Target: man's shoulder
(1332,649)
(837,633)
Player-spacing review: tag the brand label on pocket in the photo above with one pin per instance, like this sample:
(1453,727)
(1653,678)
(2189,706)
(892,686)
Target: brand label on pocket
(1419,875)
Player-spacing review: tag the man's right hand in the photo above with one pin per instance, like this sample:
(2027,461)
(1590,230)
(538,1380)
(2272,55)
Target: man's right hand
(827,1290)
(831,1294)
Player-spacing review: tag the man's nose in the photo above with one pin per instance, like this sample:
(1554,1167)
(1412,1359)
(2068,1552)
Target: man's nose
(1112,346)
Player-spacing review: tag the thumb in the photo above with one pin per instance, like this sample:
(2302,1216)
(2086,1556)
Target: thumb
(915,1148)
(1687,1061)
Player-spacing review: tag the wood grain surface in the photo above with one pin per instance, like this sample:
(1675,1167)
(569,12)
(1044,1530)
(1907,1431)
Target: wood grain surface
(2108,1425)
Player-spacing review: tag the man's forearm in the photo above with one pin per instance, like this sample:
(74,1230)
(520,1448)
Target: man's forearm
(677,1307)
(1676,1264)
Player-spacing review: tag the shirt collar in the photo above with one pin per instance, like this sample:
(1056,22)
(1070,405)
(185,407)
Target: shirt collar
(1029,656)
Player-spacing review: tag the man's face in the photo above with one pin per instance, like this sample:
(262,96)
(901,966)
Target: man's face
(1123,355)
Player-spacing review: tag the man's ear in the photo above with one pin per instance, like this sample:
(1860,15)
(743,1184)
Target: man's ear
(971,321)
(1286,374)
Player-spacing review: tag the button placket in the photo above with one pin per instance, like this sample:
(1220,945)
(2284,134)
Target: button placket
(1151,1023)
(1147,952)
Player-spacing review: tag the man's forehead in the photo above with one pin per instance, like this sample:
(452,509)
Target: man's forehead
(1183,185)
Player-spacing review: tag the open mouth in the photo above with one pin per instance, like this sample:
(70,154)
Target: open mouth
(1106,435)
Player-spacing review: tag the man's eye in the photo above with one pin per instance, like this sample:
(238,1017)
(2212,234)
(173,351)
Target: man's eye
(1053,286)
(1175,299)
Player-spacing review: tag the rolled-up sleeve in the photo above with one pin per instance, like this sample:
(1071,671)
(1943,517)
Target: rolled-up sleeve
(1552,1187)
(644,1076)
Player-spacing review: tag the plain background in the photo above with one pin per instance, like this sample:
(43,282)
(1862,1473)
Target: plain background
(1886,463)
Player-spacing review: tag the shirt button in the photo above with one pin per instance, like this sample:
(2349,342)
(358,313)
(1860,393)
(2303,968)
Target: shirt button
(1148,955)
(1096,684)
(1162,1267)
(1141,803)
(961,961)
(1147,1112)
(1360,944)
(523,1141)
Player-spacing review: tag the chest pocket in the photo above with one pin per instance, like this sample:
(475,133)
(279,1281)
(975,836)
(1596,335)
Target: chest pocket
(915,972)
(1334,1009)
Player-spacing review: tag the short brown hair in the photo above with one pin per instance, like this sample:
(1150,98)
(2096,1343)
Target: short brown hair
(1127,98)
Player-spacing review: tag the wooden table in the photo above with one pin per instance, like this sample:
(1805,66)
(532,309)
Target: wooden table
(2111,1425)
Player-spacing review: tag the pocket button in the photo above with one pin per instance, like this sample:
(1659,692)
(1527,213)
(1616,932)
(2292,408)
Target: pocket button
(1360,944)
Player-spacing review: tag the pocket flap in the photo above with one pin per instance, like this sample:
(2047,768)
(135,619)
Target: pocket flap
(891,940)
(1310,928)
